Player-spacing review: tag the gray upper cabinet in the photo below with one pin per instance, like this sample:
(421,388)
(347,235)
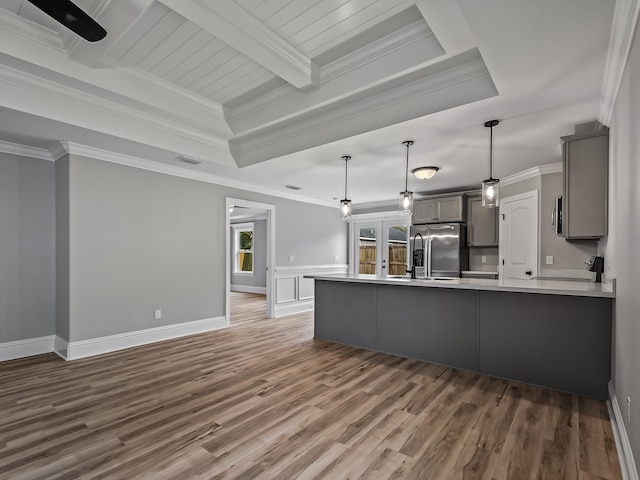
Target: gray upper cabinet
(439,209)
(586,166)
(482,224)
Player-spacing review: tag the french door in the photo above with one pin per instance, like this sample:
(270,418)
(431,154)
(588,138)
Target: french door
(380,248)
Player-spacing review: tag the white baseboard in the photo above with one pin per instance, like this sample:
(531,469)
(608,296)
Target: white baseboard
(112,343)
(248,289)
(625,454)
(26,348)
(284,309)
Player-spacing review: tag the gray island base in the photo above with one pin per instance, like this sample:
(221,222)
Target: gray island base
(561,341)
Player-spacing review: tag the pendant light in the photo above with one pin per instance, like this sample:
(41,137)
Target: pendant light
(406,197)
(345,204)
(491,186)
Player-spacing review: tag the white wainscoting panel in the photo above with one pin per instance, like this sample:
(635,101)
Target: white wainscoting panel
(26,348)
(285,289)
(306,288)
(294,293)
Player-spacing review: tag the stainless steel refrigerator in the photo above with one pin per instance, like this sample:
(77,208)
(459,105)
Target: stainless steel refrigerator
(443,251)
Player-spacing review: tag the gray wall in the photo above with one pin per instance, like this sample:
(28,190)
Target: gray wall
(141,241)
(27,248)
(621,247)
(569,257)
(259,277)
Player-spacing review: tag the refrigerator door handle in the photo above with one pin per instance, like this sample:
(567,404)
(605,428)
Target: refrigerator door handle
(429,256)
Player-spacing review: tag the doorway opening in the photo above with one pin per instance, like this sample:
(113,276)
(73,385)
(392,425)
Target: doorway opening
(250,256)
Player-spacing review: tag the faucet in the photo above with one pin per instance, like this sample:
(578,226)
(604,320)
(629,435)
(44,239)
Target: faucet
(416,257)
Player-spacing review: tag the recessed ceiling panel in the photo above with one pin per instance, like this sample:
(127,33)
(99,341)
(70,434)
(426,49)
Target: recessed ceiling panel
(314,26)
(169,46)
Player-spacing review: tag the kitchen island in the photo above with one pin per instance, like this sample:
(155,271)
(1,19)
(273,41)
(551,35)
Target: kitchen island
(555,334)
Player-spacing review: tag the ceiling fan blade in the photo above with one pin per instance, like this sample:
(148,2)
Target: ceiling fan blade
(72,17)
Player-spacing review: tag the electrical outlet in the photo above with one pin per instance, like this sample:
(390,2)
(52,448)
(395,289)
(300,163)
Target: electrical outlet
(549,259)
(629,409)
(336,257)
(291,258)
(484,259)
(158,314)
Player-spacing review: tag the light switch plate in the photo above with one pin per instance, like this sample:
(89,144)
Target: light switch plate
(336,257)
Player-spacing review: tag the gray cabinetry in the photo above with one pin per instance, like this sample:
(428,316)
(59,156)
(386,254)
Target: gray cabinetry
(448,208)
(584,205)
(482,224)
(556,341)
(355,325)
(444,333)
(551,340)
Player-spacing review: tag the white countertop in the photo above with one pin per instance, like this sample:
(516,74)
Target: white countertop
(552,287)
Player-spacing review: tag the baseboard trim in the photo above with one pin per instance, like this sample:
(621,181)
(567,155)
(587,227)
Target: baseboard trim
(625,454)
(282,310)
(26,348)
(248,289)
(112,343)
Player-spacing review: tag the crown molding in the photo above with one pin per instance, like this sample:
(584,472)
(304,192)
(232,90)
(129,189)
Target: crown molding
(426,89)
(406,36)
(625,20)
(66,104)
(64,148)
(243,115)
(25,151)
(531,173)
(31,31)
(35,50)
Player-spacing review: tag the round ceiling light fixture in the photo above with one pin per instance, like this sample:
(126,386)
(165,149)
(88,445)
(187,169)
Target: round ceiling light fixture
(424,173)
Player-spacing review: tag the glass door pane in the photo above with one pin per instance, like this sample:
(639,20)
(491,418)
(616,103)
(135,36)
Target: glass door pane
(367,249)
(397,249)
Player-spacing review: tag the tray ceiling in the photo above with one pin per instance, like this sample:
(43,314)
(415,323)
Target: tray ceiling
(237,83)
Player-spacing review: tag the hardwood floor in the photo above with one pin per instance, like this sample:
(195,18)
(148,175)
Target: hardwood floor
(264,400)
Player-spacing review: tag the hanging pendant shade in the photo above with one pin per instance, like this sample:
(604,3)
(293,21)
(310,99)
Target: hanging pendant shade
(406,197)
(345,203)
(491,186)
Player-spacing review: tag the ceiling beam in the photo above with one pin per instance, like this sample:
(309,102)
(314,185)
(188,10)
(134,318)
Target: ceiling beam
(232,24)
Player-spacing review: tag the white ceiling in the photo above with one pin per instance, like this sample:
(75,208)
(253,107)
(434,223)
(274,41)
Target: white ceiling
(274,92)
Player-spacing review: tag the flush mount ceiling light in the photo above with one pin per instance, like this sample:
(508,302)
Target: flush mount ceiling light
(406,197)
(345,204)
(491,186)
(424,173)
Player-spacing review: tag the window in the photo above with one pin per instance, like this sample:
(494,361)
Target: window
(243,248)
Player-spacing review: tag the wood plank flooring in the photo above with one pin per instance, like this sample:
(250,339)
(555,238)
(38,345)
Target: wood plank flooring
(264,400)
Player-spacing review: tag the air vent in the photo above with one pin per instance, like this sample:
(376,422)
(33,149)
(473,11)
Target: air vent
(293,187)
(190,161)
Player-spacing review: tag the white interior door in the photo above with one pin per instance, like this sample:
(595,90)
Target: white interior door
(519,236)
